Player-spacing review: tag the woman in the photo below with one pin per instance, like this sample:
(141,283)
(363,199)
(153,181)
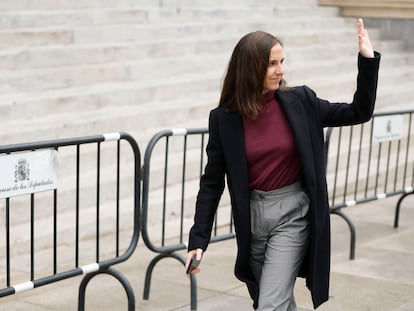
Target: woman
(267,140)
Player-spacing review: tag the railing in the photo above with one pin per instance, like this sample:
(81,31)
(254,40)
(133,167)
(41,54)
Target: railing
(80,207)
(168,198)
(370,161)
(365,162)
(76,207)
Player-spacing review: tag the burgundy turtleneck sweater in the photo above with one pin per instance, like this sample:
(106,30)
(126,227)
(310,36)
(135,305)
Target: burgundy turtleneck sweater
(270,147)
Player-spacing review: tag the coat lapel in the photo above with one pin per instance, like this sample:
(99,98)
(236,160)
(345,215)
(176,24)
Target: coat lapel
(295,114)
(234,146)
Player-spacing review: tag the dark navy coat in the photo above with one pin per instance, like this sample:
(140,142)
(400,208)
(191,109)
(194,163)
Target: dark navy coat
(307,115)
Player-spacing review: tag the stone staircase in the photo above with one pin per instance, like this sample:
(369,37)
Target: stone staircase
(74,68)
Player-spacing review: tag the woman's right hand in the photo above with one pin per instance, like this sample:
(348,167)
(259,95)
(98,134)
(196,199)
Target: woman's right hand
(197,254)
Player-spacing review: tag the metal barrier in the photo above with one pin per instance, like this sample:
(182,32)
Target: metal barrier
(364,162)
(95,207)
(173,164)
(370,161)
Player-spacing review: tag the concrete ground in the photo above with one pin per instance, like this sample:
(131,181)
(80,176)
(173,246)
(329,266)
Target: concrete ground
(381,278)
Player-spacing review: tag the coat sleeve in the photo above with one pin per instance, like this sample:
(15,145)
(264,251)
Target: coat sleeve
(211,188)
(363,103)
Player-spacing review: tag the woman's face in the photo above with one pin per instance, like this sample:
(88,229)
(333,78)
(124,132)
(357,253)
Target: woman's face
(274,72)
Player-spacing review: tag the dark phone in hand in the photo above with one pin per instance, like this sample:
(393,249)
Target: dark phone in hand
(193,264)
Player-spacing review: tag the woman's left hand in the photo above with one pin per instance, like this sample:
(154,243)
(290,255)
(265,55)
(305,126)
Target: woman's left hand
(365,45)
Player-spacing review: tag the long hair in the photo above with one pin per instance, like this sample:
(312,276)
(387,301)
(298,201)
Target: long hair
(246,71)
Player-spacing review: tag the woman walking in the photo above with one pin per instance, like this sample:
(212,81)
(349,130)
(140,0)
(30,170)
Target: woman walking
(267,140)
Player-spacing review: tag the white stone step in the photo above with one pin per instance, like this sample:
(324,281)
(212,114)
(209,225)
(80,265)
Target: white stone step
(27,5)
(139,14)
(136,15)
(216,13)
(33,19)
(30,37)
(234,3)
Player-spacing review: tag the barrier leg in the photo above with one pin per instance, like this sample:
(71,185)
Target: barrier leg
(398,207)
(351,230)
(117,275)
(193,286)
(148,276)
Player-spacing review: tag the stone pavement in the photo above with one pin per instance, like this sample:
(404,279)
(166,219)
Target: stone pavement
(381,278)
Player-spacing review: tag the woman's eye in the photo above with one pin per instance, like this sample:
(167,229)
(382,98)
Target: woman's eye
(276,63)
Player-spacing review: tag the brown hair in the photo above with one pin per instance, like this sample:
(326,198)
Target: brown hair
(243,82)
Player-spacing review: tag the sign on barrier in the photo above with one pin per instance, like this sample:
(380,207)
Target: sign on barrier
(87,225)
(387,128)
(28,172)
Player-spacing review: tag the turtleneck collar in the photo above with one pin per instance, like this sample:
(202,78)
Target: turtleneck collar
(268,96)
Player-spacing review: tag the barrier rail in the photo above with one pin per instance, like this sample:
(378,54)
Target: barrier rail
(370,161)
(358,171)
(81,218)
(365,162)
(168,197)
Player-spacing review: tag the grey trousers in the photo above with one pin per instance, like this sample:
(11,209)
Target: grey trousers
(280,235)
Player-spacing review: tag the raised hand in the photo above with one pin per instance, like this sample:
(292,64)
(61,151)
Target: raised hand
(365,45)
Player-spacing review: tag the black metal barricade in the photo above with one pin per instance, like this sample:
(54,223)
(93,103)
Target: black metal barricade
(370,161)
(173,164)
(85,224)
